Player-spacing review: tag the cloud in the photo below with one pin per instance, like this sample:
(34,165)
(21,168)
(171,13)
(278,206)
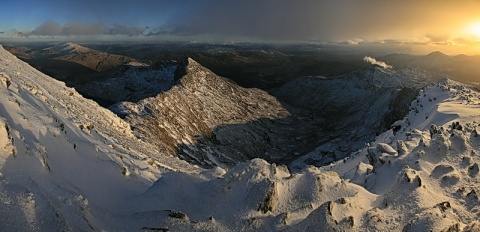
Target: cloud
(24,33)
(118,29)
(48,28)
(436,38)
(466,42)
(376,62)
(356,41)
(74,28)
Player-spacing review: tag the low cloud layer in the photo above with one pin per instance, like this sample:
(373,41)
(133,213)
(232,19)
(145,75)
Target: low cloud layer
(376,62)
(73,28)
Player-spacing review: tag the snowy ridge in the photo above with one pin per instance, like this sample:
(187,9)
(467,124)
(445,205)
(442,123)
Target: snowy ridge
(426,170)
(68,164)
(58,149)
(28,89)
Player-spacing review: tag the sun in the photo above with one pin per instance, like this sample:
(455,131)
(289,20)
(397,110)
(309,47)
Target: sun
(474,29)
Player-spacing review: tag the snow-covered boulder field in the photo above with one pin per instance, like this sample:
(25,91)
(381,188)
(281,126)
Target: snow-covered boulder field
(425,173)
(68,164)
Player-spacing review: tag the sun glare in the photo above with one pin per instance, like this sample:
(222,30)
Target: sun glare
(474,29)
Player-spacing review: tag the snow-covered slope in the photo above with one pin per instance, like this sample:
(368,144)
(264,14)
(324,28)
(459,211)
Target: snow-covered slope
(68,164)
(417,178)
(425,173)
(62,155)
(357,106)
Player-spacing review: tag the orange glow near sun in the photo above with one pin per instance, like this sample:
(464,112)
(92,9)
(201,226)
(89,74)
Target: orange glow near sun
(474,29)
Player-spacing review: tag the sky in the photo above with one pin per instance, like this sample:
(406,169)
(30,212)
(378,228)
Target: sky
(449,24)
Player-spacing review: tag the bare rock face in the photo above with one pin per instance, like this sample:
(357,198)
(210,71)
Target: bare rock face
(271,198)
(207,120)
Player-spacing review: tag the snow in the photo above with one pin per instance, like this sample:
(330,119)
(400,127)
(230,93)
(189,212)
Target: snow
(432,167)
(57,146)
(68,164)
(385,95)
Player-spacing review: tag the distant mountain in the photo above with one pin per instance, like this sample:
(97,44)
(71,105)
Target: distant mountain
(437,55)
(90,58)
(63,49)
(461,68)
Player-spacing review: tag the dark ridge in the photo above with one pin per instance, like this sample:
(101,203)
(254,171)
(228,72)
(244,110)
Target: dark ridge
(437,54)
(181,70)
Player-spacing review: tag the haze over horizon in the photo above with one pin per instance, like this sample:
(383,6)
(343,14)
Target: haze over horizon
(450,27)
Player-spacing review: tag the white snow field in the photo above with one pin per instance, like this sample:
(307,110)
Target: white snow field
(68,164)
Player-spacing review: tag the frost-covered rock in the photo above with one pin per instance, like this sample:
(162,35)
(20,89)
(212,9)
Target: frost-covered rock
(433,183)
